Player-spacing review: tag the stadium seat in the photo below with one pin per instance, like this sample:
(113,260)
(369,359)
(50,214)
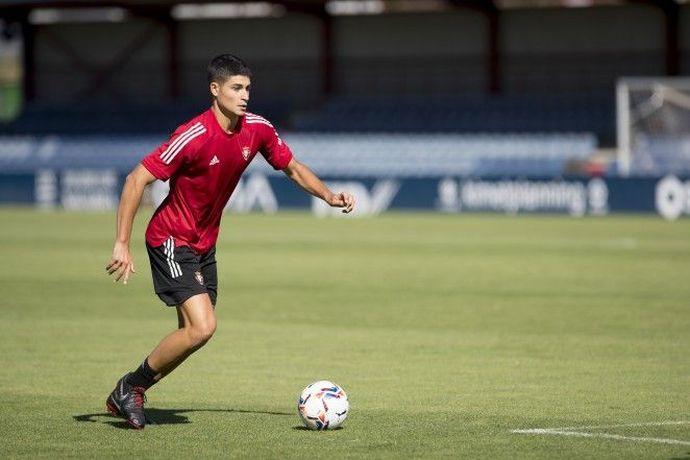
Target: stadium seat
(410,155)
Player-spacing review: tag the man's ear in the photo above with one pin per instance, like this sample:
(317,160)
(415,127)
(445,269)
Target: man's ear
(214,87)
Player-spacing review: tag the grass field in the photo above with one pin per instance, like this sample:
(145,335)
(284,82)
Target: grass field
(447,332)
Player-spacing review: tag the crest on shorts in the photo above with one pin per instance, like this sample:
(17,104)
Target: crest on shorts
(245,152)
(199,277)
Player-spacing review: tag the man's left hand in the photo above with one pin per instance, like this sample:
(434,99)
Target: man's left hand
(342,200)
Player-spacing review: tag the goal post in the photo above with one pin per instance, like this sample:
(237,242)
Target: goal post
(653,125)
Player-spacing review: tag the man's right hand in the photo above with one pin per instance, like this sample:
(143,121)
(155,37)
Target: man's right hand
(121,263)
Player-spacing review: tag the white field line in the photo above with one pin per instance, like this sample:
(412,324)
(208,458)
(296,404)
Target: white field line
(623,425)
(570,431)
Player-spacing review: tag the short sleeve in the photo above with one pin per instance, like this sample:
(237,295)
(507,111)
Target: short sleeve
(168,158)
(274,149)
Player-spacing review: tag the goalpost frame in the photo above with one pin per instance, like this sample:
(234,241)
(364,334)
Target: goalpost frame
(623,126)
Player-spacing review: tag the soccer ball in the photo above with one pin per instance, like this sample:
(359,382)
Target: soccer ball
(323,406)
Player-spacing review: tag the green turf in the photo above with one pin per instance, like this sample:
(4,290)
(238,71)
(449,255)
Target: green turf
(447,332)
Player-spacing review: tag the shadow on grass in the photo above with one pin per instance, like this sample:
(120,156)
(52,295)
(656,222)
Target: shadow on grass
(163,416)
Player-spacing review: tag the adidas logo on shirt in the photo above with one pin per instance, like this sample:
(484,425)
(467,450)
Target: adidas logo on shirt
(214,161)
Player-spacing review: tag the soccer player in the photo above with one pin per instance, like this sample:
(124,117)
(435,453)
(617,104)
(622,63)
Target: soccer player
(203,160)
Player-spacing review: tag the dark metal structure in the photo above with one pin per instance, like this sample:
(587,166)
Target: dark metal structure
(158,12)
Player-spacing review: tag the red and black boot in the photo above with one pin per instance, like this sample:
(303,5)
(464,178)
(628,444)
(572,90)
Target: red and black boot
(127,401)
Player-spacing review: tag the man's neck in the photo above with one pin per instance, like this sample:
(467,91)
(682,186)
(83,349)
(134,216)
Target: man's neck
(227,121)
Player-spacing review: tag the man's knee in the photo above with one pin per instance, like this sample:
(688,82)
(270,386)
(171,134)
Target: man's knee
(199,334)
(199,320)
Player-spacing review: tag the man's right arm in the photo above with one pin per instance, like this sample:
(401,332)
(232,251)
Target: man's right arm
(121,263)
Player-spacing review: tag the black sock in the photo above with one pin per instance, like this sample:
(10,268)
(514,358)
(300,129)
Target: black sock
(144,376)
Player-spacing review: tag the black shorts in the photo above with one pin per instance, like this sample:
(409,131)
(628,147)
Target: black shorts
(179,273)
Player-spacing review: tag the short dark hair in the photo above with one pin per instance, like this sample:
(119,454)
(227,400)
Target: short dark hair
(225,66)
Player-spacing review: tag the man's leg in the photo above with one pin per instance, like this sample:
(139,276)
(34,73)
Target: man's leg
(180,325)
(196,325)
(180,318)
(210,282)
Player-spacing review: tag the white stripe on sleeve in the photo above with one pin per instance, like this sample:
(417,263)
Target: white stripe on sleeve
(179,148)
(249,122)
(181,141)
(179,138)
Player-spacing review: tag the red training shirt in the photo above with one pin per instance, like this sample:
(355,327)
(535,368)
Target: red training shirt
(204,164)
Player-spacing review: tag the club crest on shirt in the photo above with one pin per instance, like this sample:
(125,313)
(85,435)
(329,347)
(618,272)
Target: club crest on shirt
(199,277)
(246,151)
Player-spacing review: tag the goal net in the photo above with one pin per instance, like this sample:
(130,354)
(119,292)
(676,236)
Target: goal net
(653,126)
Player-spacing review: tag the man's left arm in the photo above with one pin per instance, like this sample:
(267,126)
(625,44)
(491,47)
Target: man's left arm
(305,178)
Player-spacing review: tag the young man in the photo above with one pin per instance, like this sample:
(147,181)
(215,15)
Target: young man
(203,160)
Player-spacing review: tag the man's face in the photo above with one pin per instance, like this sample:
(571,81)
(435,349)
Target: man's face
(233,94)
